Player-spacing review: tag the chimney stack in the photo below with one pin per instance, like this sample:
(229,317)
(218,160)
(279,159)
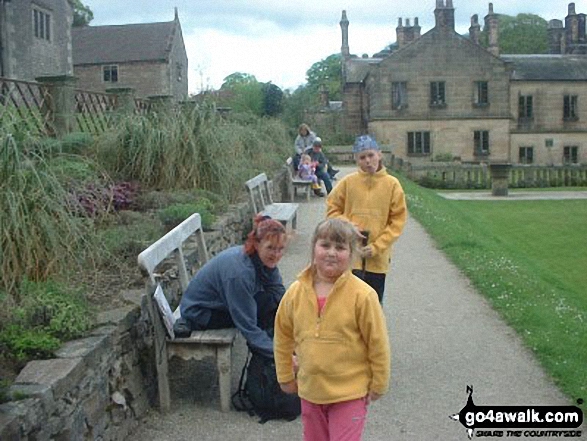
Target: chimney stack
(445,15)
(492,26)
(556,33)
(475,29)
(324,96)
(406,34)
(344,26)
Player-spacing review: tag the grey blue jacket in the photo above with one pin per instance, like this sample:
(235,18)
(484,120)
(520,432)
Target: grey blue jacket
(240,284)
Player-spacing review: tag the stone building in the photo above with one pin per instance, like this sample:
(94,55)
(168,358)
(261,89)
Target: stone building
(149,58)
(35,38)
(442,96)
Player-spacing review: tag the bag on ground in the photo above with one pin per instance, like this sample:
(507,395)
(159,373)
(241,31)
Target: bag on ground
(261,394)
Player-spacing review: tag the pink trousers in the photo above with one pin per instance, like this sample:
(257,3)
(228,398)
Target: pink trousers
(342,421)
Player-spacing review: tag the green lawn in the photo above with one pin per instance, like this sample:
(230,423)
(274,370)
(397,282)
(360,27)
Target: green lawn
(529,258)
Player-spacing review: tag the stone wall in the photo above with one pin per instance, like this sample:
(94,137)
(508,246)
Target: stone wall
(27,56)
(98,387)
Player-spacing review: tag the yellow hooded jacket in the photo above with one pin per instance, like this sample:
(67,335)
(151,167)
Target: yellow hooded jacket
(373,202)
(343,353)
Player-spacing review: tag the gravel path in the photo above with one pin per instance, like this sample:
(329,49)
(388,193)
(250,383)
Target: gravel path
(444,337)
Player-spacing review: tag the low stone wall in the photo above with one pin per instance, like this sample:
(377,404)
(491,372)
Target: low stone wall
(98,387)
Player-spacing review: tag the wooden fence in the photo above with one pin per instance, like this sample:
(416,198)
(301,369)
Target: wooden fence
(39,105)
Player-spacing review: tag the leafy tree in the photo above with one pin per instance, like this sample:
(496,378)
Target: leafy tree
(82,14)
(295,106)
(327,72)
(238,78)
(272,99)
(243,93)
(522,34)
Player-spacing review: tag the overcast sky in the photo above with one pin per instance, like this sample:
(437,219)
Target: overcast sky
(279,41)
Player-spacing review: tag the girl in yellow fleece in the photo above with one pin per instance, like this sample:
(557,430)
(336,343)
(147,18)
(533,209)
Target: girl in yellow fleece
(374,202)
(331,344)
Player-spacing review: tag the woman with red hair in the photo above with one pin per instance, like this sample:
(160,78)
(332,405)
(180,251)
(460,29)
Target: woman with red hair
(239,287)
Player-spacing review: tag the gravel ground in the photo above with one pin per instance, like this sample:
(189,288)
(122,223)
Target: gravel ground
(444,337)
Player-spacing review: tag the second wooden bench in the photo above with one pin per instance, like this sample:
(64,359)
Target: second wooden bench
(262,201)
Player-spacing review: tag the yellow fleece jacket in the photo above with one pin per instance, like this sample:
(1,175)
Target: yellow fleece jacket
(343,353)
(373,202)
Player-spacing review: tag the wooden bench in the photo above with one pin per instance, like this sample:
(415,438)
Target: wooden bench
(260,192)
(215,343)
(296,182)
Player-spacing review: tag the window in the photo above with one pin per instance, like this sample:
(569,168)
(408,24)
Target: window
(399,95)
(179,70)
(42,25)
(437,94)
(481,93)
(526,155)
(418,143)
(110,73)
(570,155)
(548,142)
(570,108)
(525,107)
(481,142)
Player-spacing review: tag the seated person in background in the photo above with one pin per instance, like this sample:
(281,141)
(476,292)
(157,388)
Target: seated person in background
(307,172)
(239,287)
(320,162)
(303,141)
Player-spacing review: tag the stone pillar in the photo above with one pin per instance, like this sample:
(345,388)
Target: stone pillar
(161,101)
(59,104)
(500,173)
(125,98)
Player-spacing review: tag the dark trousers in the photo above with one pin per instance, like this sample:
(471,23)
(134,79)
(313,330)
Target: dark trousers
(324,176)
(374,280)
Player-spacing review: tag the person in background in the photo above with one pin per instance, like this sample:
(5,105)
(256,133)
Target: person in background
(303,141)
(374,202)
(307,172)
(239,287)
(331,339)
(320,163)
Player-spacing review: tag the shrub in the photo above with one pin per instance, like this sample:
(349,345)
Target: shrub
(25,344)
(54,309)
(175,214)
(124,240)
(39,236)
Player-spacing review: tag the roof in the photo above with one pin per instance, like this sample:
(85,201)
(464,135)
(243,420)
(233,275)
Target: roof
(358,68)
(554,67)
(122,43)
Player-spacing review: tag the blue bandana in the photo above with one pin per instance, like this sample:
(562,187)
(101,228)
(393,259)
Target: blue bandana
(365,142)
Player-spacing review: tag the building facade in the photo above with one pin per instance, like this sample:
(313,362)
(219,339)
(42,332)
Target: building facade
(35,38)
(441,96)
(149,58)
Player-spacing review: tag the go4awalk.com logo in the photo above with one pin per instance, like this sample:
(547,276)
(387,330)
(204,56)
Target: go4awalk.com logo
(519,421)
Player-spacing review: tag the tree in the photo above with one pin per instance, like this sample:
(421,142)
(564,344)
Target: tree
(522,34)
(272,99)
(327,72)
(243,93)
(82,14)
(238,78)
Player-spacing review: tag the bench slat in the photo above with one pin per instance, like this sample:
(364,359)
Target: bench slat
(157,252)
(209,336)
